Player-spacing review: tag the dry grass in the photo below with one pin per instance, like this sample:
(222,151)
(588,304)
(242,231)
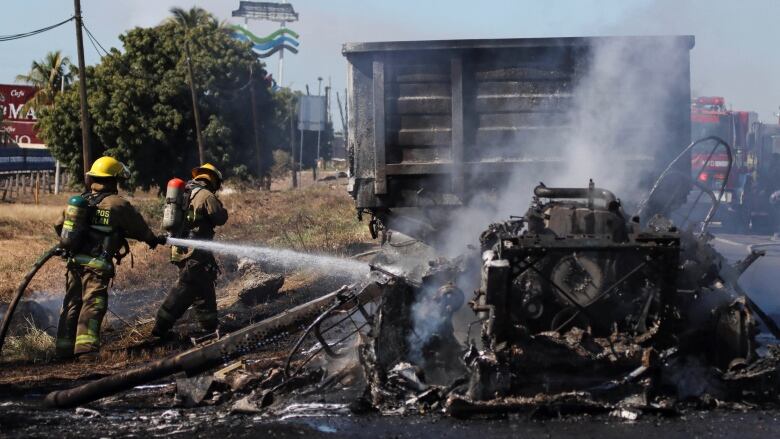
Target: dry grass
(25,233)
(33,345)
(319,218)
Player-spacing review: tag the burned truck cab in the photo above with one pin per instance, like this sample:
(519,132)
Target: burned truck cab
(573,260)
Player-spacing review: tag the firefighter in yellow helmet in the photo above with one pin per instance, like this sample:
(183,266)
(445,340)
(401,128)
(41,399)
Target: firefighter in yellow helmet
(90,267)
(198,270)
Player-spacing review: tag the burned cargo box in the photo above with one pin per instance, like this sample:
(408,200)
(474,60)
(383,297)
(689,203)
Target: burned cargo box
(434,124)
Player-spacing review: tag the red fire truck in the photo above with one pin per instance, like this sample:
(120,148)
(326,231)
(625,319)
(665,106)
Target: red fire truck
(746,205)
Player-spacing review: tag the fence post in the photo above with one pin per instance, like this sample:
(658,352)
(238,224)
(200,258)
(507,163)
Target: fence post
(37,187)
(57,177)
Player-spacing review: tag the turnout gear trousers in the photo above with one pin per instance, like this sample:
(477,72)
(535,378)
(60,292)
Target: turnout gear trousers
(195,287)
(85,305)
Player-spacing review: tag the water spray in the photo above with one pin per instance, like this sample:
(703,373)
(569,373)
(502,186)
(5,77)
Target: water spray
(287,259)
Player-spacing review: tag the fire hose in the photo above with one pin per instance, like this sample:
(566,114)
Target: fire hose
(21,289)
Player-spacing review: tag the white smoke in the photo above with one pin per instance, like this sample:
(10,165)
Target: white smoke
(429,320)
(623,114)
(623,110)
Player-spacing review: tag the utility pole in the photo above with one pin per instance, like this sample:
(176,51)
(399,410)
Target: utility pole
(194,93)
(281,55)
(319,134)
(86,146)
(300,155)
(256,129)
(292,144)
(57,163)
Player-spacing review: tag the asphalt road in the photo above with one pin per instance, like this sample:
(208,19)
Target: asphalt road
(26,419)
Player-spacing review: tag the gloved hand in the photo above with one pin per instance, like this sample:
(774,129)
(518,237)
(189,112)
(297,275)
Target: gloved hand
(158,240)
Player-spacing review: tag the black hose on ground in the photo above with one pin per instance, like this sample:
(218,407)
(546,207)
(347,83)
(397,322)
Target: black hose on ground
(20,291)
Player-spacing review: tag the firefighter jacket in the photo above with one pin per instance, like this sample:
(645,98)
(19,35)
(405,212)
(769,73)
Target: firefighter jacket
(205,213)
(112,221)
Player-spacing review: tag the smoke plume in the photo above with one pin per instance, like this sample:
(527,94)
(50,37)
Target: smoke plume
(625,108)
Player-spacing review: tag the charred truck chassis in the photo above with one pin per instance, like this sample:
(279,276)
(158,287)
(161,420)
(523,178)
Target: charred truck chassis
(576,297)
(576,266)
(581,295)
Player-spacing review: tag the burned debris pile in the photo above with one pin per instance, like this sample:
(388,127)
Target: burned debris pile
(580,307)
(574,307)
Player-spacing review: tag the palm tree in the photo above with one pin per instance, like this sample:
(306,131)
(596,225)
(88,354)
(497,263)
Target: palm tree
(188,20)
(48,76)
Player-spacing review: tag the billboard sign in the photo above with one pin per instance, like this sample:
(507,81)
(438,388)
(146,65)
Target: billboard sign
(311,113)
(18,126)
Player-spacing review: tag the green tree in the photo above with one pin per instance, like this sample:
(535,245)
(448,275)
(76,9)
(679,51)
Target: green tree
(48,75)
(140,102)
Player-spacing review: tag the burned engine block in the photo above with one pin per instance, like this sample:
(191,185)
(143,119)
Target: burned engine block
(574,263)
(574,298)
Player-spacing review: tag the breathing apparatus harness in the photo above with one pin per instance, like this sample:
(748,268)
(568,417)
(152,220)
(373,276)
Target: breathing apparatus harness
(87,236)
(179,216)
(181,219)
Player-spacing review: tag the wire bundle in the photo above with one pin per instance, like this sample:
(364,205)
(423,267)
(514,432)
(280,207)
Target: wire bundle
(34,32)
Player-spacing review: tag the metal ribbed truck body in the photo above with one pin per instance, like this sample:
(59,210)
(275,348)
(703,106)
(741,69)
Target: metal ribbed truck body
(435,123)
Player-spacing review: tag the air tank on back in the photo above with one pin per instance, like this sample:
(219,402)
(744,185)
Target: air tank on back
(75,223)
(173,212)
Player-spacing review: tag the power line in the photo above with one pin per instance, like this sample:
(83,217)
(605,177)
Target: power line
(34,32)
(129,71)
(94,40)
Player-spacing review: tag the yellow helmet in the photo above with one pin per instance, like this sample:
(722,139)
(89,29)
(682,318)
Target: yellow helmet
(209,172)
(108,167)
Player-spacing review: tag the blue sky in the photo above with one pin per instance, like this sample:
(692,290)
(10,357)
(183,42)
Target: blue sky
(736,53)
